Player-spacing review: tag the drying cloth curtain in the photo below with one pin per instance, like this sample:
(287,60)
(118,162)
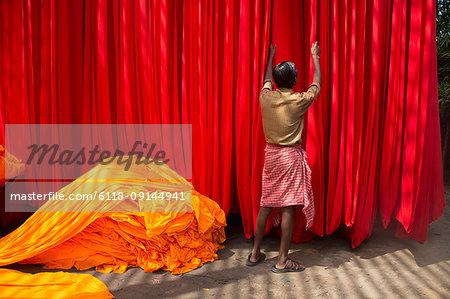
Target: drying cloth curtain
(372,137)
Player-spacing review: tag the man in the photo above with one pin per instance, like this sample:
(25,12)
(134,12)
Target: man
(286,177)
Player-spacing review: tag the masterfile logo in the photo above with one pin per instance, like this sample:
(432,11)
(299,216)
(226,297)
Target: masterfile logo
(127,168)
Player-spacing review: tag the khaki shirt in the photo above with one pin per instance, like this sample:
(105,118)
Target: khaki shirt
(282,112)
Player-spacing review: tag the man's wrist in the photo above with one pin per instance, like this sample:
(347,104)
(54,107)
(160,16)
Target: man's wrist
(316,57)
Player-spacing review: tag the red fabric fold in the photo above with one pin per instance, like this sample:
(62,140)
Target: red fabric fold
(372,137)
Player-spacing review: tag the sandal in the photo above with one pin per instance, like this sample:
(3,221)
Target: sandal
(289,267)
(261,258)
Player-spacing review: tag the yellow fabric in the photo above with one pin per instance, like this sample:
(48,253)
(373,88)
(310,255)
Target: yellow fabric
(15,166)
(282,112)
(113,241)
(15,284)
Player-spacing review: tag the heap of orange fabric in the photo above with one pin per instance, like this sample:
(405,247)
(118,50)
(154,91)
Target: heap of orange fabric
(111,237)
(14,165)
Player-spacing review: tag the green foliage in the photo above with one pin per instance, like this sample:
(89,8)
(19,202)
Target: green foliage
(443,56)
(443,65)
(442,17)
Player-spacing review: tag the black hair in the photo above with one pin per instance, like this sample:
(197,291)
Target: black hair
(285,74)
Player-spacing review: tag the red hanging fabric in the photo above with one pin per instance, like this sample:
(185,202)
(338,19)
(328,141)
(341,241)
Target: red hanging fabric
(372,137)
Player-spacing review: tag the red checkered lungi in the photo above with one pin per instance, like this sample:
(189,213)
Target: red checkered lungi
(286,179)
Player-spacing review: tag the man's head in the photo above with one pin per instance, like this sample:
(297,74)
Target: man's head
(285,74)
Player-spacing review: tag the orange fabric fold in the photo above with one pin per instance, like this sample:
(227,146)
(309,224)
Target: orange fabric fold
(15,284)
(113,241)
(15,166)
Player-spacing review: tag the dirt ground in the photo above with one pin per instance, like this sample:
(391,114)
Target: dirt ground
(382,267)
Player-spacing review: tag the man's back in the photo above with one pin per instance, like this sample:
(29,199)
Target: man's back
(282,112)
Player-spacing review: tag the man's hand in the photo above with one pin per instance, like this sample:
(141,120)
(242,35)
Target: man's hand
(272,50)
(315,50)
(268,72)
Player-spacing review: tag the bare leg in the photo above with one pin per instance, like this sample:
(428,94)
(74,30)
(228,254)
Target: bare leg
(261,221)
(287,224)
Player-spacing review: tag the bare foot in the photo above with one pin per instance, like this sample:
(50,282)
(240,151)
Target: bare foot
(255,256)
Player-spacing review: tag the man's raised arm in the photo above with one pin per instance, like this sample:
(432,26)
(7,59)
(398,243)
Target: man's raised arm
(268,73)
(315,52)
